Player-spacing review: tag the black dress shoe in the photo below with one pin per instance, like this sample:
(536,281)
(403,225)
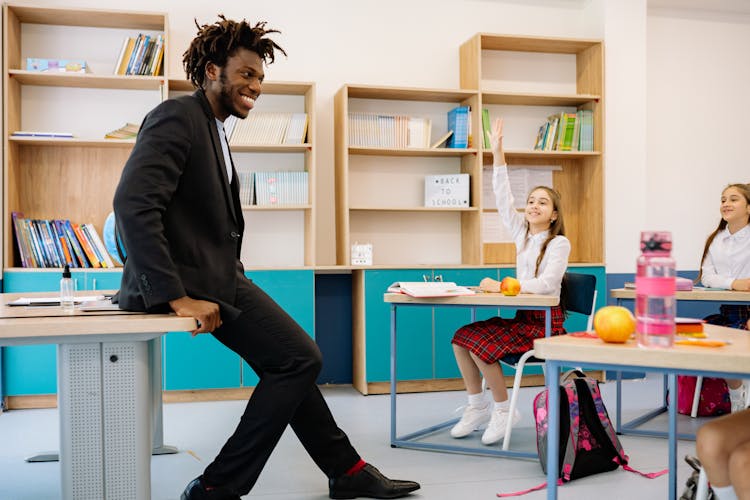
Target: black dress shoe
(195,490)
(369,483)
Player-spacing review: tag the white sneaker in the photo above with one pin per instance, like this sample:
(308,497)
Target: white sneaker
(738,397)
(496,429)
(471,420)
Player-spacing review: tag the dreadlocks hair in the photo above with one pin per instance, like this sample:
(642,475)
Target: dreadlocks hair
(218,41)
(745,190)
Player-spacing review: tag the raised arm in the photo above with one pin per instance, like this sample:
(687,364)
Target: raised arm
(511,219)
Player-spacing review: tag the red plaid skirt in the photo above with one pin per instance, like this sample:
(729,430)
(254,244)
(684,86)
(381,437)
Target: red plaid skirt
(497,337)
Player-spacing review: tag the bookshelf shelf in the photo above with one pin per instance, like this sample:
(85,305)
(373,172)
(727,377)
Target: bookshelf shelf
(262,208)
(524,80)
(74,142)
(518,98)
(86,80)
(411,209)
(515,154)
(421,152)
(273,148)
(89,18)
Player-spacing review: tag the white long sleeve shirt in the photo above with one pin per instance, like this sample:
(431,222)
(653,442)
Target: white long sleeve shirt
(728,259)
(555,260)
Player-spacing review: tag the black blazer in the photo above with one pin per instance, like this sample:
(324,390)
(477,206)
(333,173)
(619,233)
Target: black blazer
(179,218)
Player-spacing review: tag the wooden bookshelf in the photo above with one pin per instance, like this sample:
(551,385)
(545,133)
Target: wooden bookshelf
(293,224)
(380,190)
(51,178)
(557,74)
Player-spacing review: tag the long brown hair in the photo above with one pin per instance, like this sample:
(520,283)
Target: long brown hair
(745,190)
(556,227)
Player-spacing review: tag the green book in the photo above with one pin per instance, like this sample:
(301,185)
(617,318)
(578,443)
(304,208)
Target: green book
(486,127)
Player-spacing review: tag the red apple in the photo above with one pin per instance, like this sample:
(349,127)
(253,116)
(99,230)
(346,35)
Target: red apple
(510,286)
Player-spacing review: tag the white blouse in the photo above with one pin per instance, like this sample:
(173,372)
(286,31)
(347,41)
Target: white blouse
(555,260)
(728,259)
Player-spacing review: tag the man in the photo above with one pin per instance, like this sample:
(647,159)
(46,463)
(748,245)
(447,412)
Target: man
(181,223)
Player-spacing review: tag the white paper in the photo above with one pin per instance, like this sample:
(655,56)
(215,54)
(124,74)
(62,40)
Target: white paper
(493,230)
(522,181)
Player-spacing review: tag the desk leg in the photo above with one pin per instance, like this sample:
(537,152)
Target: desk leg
(154,354)
(393,374)
(105,424)
(618,412)
(159,448)
(553,427)
(672,382)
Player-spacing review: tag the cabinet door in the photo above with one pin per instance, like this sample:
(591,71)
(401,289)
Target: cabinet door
(32,369)
(294,291)
(199,362)
(415,346)
(450,319)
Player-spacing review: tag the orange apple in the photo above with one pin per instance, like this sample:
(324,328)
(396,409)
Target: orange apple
(614,324)
(510,286)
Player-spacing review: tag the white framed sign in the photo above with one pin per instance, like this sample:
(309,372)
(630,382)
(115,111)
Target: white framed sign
(446,191)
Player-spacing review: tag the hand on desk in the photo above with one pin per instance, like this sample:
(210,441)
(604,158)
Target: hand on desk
(206,313)
(741,284)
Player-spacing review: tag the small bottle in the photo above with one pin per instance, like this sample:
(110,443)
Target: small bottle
(66,291)
(655,302)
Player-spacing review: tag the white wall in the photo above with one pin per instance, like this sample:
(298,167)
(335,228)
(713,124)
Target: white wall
(698,108)
(674,88)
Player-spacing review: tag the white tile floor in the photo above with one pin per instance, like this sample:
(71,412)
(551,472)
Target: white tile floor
(199,429)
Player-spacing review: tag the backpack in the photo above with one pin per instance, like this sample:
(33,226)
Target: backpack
(588,442)
(714,396)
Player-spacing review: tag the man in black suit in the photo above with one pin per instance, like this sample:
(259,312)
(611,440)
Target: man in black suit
(181,223)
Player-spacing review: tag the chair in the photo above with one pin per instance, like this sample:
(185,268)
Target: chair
(580,294)
(697,395)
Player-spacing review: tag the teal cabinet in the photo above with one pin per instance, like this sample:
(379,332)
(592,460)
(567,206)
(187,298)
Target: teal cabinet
(32,369)
(294,291)
(202,362)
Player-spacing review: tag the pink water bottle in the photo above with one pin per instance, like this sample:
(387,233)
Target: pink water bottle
(655,302)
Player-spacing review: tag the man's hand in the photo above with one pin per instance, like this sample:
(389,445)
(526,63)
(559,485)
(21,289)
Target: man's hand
(206,313)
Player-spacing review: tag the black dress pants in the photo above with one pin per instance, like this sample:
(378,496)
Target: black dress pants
(287,361)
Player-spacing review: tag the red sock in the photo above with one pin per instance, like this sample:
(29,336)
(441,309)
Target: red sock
(357,467)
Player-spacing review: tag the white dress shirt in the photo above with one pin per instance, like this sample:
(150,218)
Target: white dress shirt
(555,260)
(225,149)
(728,259)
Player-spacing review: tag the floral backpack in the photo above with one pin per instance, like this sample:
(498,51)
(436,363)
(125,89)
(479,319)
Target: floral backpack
(588,442)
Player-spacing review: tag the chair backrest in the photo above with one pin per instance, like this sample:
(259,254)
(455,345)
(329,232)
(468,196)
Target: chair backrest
(580,290)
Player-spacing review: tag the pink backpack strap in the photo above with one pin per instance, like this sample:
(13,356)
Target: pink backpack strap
(523,492)
(649,475)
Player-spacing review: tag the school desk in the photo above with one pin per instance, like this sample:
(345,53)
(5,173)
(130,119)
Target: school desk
(485,300)
(732,360)
(697,294)
(106,398)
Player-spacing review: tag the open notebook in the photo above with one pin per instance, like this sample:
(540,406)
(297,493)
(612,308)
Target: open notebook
(429,289)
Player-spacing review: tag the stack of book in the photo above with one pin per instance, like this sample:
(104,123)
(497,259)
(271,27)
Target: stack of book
(567,132)
(689,327)
(141,55)
(54,243)
(127,131)
(389,131)
(266,128)
(281,188)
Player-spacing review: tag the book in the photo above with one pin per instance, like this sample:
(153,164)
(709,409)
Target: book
(127,131)
(442,139)
(35,133)
(486,128)
(458,122)
(56,65)
(689,326)
(429,289)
